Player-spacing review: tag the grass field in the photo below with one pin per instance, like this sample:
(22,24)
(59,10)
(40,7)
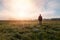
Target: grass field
(29,30)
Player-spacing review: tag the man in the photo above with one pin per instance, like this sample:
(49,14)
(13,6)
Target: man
(40,19)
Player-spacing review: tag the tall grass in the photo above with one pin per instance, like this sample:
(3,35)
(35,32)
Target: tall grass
(47,31)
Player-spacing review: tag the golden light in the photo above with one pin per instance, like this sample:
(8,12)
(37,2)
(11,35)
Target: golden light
(22,8)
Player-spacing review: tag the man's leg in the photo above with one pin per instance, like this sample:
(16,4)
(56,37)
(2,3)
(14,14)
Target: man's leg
(40,22)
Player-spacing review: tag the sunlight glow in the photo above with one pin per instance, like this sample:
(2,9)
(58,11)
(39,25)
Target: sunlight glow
(22,8)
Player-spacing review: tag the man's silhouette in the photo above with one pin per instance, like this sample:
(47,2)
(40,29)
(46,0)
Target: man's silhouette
(40,19)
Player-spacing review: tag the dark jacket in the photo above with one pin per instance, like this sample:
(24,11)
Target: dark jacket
(40,18)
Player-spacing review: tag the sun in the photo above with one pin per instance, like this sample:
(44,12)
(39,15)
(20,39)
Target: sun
(22,8)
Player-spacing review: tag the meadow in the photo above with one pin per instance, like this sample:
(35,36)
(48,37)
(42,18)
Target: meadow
(29,30)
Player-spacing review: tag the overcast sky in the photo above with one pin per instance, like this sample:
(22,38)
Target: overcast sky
(29,9)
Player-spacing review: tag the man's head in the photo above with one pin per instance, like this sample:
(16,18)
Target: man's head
(40,14)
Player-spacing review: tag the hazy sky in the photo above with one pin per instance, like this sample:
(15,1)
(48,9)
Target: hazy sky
(29,9)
